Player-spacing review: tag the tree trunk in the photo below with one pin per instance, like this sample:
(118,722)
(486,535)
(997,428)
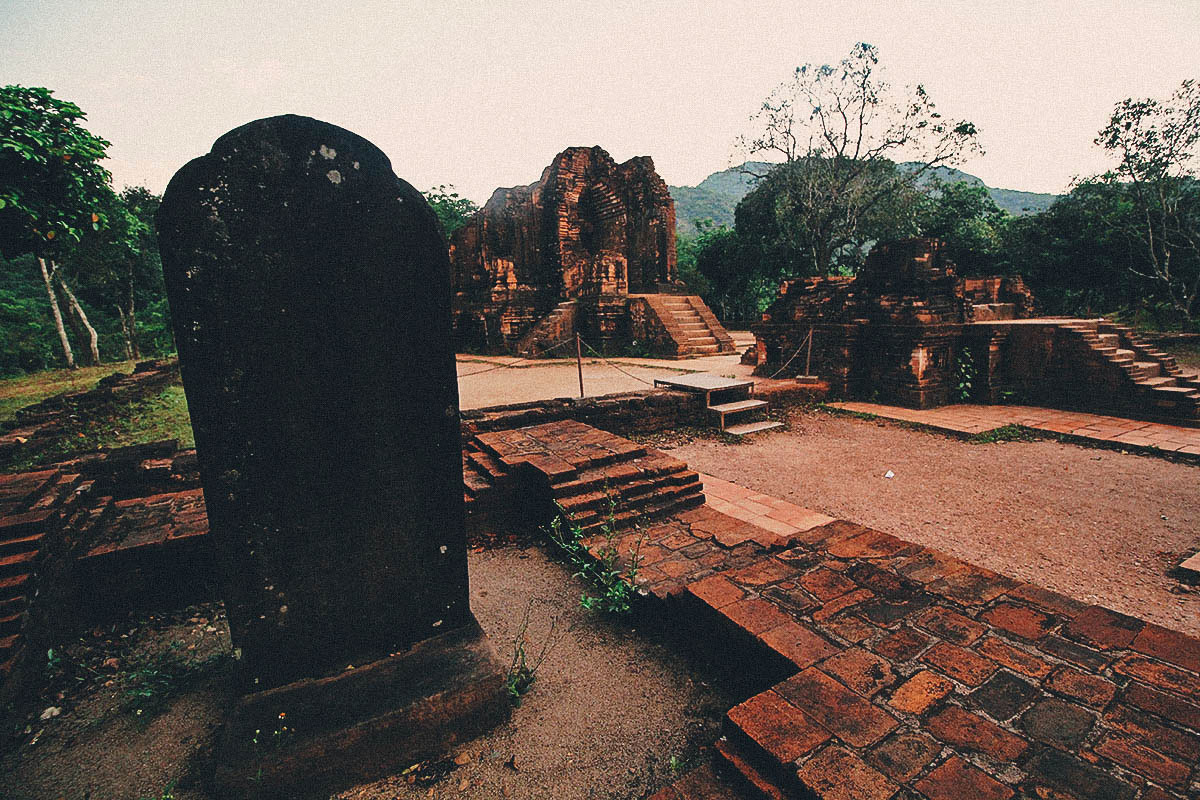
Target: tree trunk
(126,338)
(134,352)
(58,319)
(93,337)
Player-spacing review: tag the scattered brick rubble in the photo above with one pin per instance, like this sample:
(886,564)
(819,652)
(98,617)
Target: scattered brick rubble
(589,248)
(889,670)
(900,329)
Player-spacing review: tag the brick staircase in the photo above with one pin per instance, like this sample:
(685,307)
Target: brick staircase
(32,505)
(591,475)
(1149,379)
(690,323)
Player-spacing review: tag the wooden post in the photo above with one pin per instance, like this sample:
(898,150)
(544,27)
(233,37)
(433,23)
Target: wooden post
(808,359)
(579,362)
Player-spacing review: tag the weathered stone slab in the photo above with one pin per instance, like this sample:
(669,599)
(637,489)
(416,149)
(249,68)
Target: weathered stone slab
(310,294)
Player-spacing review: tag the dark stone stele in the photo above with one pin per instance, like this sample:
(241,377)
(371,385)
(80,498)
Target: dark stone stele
(310,294)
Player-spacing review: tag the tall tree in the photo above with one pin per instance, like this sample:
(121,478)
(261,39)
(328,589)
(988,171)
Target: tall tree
(1157,144)
(52,188)
(452,209)
(841,132)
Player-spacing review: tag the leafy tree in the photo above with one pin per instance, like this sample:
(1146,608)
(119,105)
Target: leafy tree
(118,268)
(1075,254)
(1157,144)
(452,210)
(52,190)
(714,263)
(839,130)
(964,216)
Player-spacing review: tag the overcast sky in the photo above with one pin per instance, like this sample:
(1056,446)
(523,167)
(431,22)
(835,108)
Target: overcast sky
(483,94)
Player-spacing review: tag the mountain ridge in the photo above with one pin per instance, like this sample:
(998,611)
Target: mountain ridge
(717,196)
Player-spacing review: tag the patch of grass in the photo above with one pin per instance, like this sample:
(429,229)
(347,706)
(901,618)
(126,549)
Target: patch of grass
(1005,433)
(151,419)
(1187,354)
(16,393)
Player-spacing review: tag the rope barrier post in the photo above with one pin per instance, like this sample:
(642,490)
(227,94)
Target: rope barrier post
(808,359)
(579,362)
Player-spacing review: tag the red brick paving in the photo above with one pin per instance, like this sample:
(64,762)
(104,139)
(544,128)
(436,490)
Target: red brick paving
(935,678)
(914,674)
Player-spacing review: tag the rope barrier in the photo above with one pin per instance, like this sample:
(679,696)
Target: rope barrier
(518,361)
(614,366)
(793,358)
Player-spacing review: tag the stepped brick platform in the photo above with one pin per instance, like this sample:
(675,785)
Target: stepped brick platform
(885,670)
(592,476)
(1130,434)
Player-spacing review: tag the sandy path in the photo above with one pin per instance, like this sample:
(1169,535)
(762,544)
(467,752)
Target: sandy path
(1098,525)
(608,710)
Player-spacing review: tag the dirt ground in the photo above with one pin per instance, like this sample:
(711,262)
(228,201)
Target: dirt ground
(609,710)
(1098,525)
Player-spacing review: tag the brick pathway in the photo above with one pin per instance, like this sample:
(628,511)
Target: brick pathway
(913,674)
(974,419)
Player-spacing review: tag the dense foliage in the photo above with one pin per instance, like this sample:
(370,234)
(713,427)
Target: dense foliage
(78,262)
(452,209)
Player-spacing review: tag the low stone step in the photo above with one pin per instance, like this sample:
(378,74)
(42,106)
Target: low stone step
(648,513)
(1147,369)
(20,544)
(597,510)
(732,762)
(1109,339)
(8,646)
(1177,391)
(17,563)
(13,605)
(10,624)
(649,467)
(14,585)
(752,427)
(739,409)
(1122,353)
(475,483)
(739,405)
(704,349)
(1162,380)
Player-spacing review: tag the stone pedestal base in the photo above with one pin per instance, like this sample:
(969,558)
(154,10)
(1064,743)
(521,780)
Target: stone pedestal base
(317,736)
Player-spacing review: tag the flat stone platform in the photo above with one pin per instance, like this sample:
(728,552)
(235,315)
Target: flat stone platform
(1131,434)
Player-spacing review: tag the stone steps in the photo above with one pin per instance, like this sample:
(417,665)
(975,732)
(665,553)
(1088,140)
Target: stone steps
(747,776)
(655,504)
(746,428)
(692,327)
(650,466)
(1154,381)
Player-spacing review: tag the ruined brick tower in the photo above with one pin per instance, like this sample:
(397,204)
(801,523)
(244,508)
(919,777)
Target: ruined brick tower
(590,247)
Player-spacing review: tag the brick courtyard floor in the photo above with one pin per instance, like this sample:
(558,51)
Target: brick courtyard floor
(976,419)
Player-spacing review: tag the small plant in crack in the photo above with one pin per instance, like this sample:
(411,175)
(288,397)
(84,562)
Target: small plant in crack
(600,566)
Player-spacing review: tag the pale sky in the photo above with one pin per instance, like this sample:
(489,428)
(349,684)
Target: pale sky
(483,94)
